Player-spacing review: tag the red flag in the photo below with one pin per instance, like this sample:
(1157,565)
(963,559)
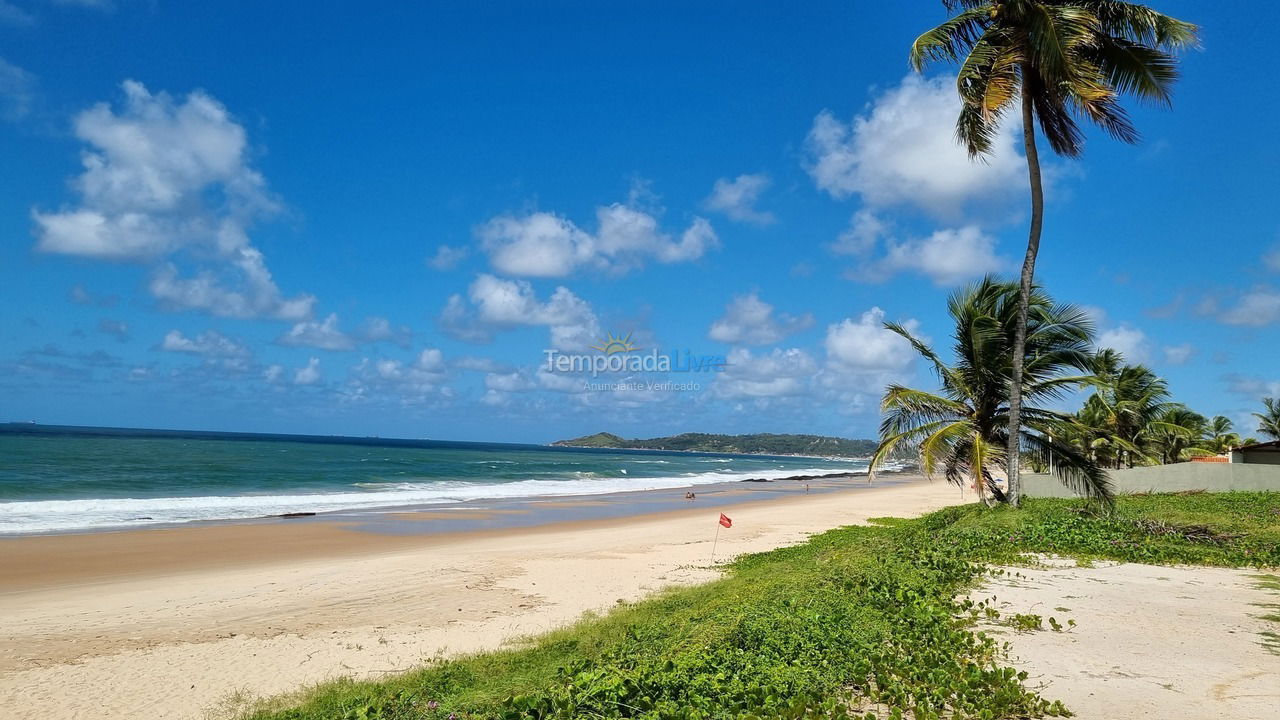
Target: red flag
(725,521)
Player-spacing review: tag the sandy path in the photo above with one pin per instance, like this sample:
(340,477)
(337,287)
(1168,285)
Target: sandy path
(178,645)
(1150,641)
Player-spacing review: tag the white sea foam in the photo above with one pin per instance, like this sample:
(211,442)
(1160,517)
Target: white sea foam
(46,516)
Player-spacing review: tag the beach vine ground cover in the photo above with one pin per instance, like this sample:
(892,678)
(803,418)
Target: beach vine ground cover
(868,621)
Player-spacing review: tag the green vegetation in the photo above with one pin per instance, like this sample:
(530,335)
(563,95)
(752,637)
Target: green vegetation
(1058,61)
(599,440)
(1131,420)
(962,432)
(1023,622)
(1269,421)
(758,444)
(858,622)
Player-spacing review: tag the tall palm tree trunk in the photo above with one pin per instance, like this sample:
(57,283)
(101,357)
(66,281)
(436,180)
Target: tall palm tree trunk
(1014,489)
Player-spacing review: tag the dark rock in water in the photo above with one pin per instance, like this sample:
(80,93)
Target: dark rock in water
(144,517)
(828,476)
(296,514)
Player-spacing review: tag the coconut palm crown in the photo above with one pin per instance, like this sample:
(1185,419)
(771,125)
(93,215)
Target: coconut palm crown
(1126,410)
(1072,59)
(961,431)
(1058,61)
(1269,421)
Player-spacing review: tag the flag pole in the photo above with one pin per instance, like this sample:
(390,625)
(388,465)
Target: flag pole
(713,544)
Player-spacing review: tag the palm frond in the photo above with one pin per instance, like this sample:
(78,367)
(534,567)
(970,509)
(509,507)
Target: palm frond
(988,81)
(952,5)
(1142,25)
(1105,111)
(1144,72)
(940,445)
(1072,58)
(1075,470)
(922,348)
(1056,121)
(889,442)
(1055,35)
(948,41)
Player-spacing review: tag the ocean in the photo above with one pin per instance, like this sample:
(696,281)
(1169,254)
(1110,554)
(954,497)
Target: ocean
(76,479)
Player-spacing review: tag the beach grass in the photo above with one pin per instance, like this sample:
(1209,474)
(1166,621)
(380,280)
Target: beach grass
(866,621)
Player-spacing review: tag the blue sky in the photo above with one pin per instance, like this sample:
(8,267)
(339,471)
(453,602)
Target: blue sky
(375,220)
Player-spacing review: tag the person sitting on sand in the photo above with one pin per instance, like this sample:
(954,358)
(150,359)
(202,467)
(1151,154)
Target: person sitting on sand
(690,496)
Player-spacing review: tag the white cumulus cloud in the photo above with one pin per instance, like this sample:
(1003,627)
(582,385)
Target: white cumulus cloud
(380,329)
(1127,340)
(748,320)
(737,198)
(308,374)
(423,376)
(209,343)
(1178,354)
(273,373)
(1257,308)
(903,151)
(328,335)
(948,257)
(543,244)
(162,176)
(862,236)
(1252,387)
(863,356)
(323,334)
(493,304)
(447,257)
(779,373)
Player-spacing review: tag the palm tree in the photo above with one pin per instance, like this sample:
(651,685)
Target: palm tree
(962,430)
(1176,434)
(1060,60)
(1218,437)
(1124,411)
(1269,422)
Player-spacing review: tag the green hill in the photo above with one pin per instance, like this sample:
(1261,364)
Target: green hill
(758,444)
(602,440)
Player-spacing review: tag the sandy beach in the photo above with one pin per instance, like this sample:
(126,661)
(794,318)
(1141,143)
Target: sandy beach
(182,622)
(1149,641)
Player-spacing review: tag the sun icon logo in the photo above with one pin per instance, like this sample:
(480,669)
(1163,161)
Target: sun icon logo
(613,344)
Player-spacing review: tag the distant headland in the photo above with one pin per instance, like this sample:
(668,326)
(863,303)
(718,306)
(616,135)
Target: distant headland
(755,444)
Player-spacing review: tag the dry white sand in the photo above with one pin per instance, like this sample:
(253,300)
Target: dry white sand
(178,645)
(1149,641)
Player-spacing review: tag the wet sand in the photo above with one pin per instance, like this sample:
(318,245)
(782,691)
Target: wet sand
(43,561)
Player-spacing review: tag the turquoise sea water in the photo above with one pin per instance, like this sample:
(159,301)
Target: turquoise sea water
(65,481)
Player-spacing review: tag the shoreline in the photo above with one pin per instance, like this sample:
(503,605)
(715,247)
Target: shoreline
(356,513)
(47,560)
(356,510)
(186,617)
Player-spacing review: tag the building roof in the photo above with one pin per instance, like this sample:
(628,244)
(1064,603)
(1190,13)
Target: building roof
(1272,446)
